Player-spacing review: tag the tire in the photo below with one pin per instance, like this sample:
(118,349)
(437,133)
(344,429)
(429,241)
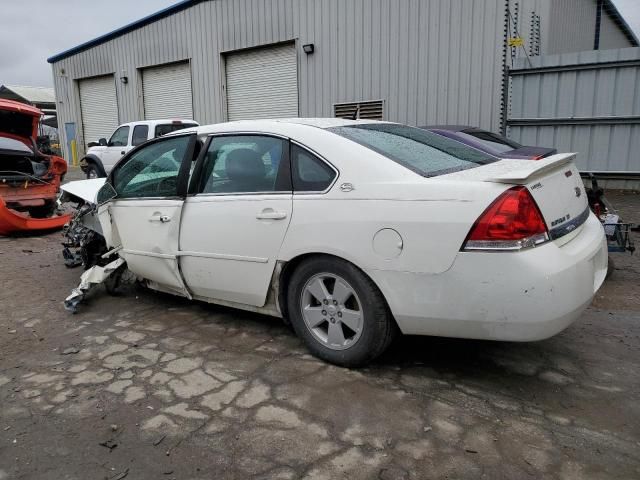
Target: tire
(611,266)
(372,332)
(45,211)
(92,171)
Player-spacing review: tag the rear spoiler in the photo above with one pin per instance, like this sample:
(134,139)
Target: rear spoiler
(524,171)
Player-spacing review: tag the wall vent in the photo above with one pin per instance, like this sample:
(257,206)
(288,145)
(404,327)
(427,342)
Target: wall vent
(371,110)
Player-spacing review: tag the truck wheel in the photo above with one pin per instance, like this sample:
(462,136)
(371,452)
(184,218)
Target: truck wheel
(338,312)
(92,171)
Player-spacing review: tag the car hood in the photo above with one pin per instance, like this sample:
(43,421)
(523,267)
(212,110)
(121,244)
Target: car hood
(86,190)
(19,121)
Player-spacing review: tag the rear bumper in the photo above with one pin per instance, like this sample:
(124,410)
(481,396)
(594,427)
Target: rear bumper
(12,221)
(32,196)
(519,296)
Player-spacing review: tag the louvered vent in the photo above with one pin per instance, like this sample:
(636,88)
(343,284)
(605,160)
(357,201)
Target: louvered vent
(373,110)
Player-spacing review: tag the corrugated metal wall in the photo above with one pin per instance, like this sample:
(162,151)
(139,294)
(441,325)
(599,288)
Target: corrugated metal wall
(586,102)
(431,61)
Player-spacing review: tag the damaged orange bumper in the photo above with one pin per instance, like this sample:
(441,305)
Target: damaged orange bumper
(12,221)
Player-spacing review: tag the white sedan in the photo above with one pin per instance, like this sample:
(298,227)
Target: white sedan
(356,230)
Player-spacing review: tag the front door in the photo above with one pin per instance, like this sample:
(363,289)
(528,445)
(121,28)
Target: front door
(234,225)
(146,213)
(116,147)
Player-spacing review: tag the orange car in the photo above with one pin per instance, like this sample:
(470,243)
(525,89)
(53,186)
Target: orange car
(29,179)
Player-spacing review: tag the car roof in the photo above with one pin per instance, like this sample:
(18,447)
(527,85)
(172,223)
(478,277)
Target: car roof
(451,128)
(158,121)
(275,125)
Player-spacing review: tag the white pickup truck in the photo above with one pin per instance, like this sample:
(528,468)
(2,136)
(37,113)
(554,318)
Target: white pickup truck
(103,155)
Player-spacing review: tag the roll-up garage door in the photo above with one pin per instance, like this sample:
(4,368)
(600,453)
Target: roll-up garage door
(99,107)
(262,83)
(167,91)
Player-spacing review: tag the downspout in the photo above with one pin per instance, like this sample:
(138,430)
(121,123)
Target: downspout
(504,102)
(596,41)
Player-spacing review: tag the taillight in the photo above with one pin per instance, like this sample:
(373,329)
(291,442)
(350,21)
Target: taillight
(512,222)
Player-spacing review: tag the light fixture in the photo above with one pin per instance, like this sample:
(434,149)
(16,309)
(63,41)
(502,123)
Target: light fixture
(308,48)
(124,79)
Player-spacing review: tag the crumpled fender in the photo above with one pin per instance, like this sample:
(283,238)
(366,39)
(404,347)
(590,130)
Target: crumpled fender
(12,221)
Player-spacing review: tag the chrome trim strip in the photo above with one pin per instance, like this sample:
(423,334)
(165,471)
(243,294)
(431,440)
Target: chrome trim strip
(167,256)
(568,227)
(221,256)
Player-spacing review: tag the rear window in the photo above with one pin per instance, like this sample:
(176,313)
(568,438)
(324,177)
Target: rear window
(492,140)
(14,145)
(426,153)
(165,128)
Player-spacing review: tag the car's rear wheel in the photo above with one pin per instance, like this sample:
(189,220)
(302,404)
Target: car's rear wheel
(338,312)
(92,171)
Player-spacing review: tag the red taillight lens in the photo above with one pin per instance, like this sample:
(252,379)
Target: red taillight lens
(512,222)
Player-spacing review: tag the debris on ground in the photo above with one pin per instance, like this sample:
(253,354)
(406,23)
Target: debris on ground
(89,279)
(110,444)
(70,351)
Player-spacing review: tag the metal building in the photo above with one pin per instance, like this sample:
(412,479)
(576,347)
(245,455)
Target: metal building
(413,61)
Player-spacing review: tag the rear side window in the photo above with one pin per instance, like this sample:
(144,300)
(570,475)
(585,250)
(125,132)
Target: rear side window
(236,164)
(425,153)
(310,174)
(165,128)
(140,133)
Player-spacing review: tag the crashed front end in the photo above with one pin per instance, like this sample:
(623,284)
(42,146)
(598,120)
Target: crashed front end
(29,179)
(84,244)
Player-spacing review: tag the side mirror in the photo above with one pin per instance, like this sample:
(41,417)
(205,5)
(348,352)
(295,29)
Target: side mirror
(106,193)
(102,142)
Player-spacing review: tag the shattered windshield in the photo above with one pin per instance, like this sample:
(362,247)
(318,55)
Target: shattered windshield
(423,152)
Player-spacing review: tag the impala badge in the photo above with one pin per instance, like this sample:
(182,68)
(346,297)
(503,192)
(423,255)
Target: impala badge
(347,187)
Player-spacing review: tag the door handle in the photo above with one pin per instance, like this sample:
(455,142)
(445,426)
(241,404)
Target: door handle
(271,214)
(160,218)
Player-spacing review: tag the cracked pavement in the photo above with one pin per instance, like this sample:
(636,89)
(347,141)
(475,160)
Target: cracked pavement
(150,386)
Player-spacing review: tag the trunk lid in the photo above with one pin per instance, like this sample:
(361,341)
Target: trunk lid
(554,182)
(18,120)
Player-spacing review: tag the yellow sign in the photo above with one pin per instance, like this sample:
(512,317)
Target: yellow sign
(516,42)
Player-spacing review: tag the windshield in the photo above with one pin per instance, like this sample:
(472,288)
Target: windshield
(426,153)
(492,140)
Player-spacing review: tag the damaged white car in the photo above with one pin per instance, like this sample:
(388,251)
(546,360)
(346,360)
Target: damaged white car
(352,231)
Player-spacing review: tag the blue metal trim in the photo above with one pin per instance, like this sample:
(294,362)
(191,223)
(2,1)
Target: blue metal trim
(183,5)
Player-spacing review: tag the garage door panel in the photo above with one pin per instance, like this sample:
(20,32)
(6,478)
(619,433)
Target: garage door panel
(99,107)
(167,92)
(262,83)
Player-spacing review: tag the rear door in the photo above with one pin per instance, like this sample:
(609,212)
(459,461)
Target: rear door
(146,213)
(234,224)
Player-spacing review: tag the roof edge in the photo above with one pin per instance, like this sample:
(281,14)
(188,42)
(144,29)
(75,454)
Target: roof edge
(170,10)
(627,31)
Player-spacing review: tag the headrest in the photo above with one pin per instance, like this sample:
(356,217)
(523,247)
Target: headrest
(245,165)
